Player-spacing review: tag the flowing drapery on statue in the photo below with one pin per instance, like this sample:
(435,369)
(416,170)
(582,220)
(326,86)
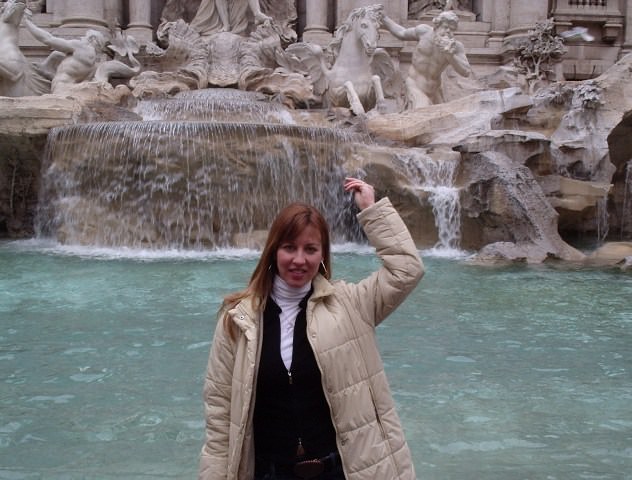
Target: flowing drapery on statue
(214,16)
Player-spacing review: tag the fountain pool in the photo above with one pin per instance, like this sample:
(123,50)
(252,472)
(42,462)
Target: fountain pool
(499,373)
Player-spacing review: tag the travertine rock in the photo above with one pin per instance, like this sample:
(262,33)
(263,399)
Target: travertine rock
(450,122)
(612,253)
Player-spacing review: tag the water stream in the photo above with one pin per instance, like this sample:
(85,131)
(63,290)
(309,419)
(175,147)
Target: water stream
(215,104)
(205,169)
(499,373)
(626,210)
(603,224)
(187,184)
(436,178)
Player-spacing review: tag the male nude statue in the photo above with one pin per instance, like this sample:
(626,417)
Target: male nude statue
(435,50)
(82,56)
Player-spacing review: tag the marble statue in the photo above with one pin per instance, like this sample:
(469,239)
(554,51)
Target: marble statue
(282,11)
(263,66)
(352,76)
(18,77)
(183,60)
(36,6)
(125,64)
(215,16)
(175,10)
(417,8)
(436,49)
(77,58)
(75,61)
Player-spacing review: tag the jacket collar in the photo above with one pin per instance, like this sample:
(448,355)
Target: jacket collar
(244,314)
(322,287)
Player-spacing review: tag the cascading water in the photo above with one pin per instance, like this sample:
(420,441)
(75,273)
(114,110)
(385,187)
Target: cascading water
(626,210)
(189,184)
(215,104)
(436,178)
(602,219)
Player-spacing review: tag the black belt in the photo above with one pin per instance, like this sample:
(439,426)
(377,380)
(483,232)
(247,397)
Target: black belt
(305,469)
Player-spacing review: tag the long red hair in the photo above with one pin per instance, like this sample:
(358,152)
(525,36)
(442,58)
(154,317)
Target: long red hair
(287,226)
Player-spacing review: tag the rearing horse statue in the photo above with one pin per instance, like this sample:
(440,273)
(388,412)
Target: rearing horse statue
(351,71)
(18,77)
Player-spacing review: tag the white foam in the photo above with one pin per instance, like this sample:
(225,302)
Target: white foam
(442,252)
(53,247)
(460,359)
(87,377)
(125,253)
(195,346)
(456,448)
(10,427)
(56,399)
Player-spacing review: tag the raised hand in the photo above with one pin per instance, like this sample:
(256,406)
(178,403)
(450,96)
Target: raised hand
(364,194)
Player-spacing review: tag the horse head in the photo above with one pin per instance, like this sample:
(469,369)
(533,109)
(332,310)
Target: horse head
(364,23)
(12,12)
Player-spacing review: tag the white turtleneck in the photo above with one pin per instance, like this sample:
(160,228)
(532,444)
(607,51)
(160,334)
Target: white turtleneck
(288,298)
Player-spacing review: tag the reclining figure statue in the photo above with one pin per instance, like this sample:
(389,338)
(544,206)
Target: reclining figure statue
(18,76)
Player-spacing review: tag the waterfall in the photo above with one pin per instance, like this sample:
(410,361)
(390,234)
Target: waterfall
(218,105)
(436,179)
(602,219)
(196,184)
(626,209)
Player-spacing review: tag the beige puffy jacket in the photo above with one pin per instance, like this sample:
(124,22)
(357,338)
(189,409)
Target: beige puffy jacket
(341,321)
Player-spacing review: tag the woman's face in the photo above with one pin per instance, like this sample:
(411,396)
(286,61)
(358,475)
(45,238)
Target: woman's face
(298,260)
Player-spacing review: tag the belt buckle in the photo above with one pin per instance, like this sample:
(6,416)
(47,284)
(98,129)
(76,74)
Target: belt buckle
(309,468)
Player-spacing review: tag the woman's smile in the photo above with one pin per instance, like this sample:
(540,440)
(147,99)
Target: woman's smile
(298,260)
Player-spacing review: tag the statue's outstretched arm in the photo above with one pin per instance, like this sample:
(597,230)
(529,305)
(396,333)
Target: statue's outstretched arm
(398,31)
(46,38)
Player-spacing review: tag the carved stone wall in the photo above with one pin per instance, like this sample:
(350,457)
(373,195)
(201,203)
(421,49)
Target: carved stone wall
(487,28)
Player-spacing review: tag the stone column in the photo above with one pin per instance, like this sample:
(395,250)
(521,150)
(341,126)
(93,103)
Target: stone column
(139,25)
(113,12)
(82,14)
(627,33)
(316,19)
(497,12)
(54,7)
(524,15)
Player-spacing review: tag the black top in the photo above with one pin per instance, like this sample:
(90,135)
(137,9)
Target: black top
(290,409)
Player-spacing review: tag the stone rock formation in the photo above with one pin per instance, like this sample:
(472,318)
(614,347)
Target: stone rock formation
(507,175)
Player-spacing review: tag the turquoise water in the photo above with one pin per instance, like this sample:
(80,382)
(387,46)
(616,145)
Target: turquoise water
(499,373)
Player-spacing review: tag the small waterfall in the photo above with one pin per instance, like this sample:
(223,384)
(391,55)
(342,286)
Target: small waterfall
(216,105)
(602,219)
(436,178)
(626,209)
(204,169)
(187,184)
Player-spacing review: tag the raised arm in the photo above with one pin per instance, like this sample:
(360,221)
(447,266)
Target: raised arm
(384,290)
(400,32)
(46,38)
(363,193)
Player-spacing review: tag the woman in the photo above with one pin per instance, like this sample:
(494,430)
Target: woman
(295,386)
